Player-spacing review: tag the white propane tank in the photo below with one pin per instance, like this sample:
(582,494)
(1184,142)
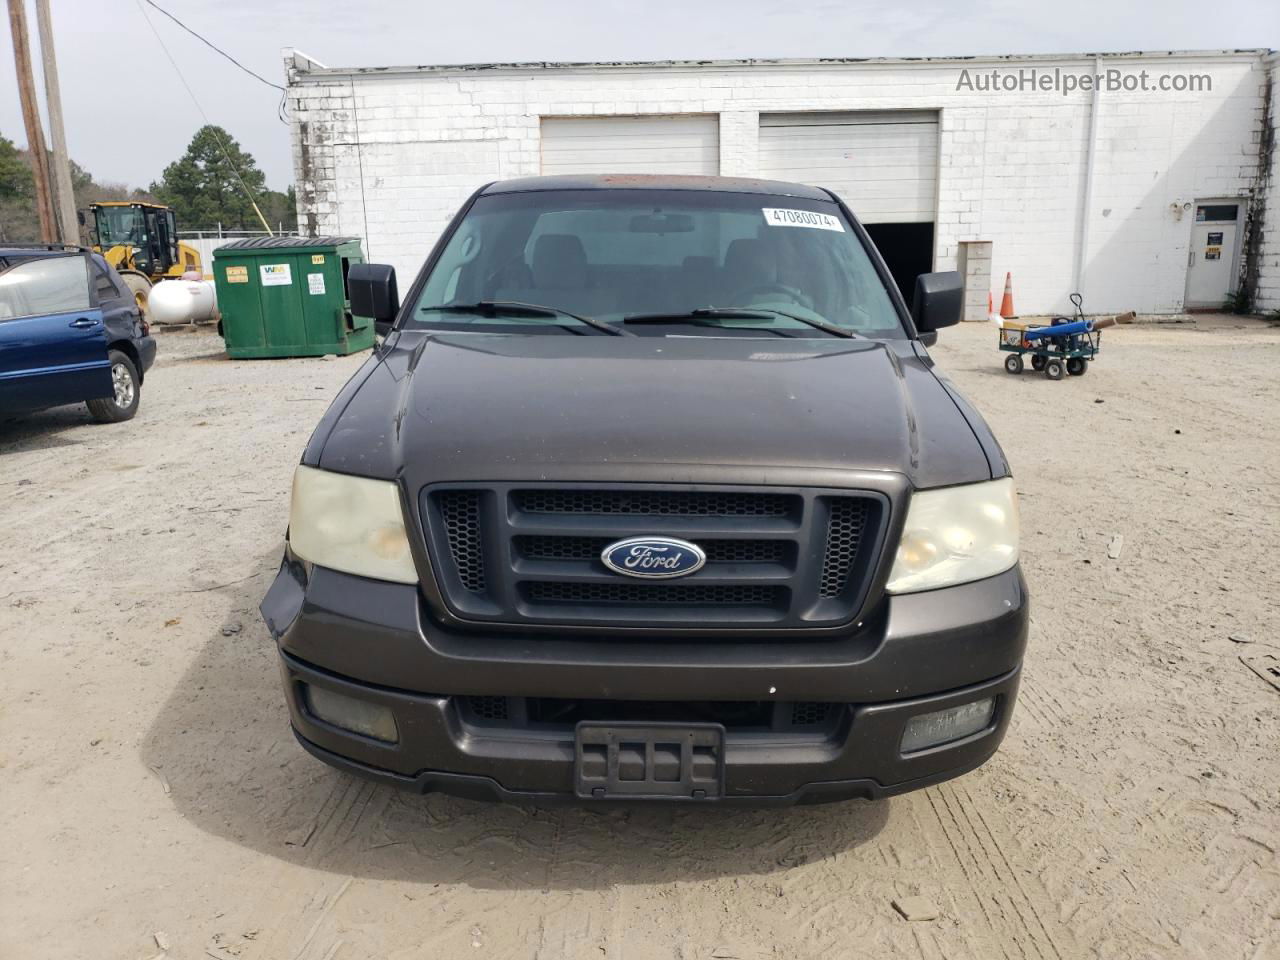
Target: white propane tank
(181,301)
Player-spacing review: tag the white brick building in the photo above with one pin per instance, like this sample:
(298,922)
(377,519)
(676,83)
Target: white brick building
(1152,200)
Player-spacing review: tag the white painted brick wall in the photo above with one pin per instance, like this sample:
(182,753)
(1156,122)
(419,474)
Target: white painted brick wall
(1012,166)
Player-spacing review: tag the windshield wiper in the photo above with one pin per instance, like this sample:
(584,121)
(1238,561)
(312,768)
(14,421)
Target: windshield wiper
(518,308)
(739,313)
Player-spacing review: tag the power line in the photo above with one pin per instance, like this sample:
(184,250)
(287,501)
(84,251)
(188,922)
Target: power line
(194,99)
(281,108)
(214,47)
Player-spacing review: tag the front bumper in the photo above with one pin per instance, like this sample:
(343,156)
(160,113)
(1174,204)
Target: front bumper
(376,642)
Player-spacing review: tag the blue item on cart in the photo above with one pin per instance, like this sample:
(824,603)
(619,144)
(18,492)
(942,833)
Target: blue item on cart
(1061,330)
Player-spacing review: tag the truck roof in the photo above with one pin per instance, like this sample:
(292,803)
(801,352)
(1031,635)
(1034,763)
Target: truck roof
(649,181)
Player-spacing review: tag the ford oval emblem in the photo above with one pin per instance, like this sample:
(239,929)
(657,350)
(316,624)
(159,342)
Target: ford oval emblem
(653,558)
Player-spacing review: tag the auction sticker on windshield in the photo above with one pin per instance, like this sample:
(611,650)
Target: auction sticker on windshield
(777,217)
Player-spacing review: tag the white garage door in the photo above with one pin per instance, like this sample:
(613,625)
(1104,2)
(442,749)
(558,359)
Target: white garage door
(682,144)
(883,165)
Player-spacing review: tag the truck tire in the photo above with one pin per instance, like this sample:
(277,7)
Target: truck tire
(139,286)
(123,403)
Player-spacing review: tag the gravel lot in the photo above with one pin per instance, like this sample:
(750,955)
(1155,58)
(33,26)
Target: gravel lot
(154,799)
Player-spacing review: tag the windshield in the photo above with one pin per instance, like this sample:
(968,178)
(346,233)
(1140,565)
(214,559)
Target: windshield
(120,225)
(612,254)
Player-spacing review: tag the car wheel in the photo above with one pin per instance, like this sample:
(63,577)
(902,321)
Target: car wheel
(126,392)
(1053,369)
(1013,363)
(1077,366)
(1038,362)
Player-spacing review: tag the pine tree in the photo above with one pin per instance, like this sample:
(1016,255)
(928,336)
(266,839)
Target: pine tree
(203,189)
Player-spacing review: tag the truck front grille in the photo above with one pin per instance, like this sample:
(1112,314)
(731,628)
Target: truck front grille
(655,503)
(589,548)
(460,512)
(626,594)
(844,536)
(777,559)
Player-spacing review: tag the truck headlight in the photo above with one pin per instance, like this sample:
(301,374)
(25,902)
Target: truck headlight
(352,524)
(955,535)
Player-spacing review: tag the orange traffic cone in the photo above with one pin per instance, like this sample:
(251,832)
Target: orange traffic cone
(1006,305)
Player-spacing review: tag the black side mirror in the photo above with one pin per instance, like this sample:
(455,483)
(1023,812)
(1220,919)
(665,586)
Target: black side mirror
(371,289)
(938,302)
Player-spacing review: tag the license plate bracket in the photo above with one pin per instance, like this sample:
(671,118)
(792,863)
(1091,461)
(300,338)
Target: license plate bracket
(674,761)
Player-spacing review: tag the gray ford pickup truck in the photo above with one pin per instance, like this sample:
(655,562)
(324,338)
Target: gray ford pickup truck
(652,492)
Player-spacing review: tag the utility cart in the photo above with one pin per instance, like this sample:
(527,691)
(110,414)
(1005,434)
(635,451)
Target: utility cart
(1067,346)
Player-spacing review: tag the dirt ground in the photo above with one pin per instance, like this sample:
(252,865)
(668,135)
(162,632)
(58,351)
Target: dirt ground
(154,802)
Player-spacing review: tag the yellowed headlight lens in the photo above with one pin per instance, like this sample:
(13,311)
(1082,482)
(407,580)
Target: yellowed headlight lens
(352,524)
(956,535)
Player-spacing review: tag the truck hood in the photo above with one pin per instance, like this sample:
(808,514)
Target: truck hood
(436,408)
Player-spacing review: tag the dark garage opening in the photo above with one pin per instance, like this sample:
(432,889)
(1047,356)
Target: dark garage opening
(907,249)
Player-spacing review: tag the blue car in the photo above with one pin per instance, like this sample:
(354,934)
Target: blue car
(70,332)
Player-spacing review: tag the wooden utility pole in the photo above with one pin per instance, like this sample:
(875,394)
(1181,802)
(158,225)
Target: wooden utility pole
(31,118)
(64,194)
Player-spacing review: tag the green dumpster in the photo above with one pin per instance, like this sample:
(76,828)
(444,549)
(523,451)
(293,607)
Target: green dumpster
(287,297)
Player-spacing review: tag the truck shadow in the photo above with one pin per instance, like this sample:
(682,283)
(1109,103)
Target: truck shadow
(222,744)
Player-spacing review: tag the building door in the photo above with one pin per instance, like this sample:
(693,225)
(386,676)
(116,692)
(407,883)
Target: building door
(883,164)
(1212,262)
(685,144)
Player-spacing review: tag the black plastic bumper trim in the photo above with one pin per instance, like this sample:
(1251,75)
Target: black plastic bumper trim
(482,788)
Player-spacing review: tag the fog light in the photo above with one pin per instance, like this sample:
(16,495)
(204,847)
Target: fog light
(935,729)
(358,716)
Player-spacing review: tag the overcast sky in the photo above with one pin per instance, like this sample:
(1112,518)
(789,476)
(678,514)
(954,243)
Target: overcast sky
(128,115)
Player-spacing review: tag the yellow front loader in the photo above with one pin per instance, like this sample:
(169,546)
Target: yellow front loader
(140,240)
